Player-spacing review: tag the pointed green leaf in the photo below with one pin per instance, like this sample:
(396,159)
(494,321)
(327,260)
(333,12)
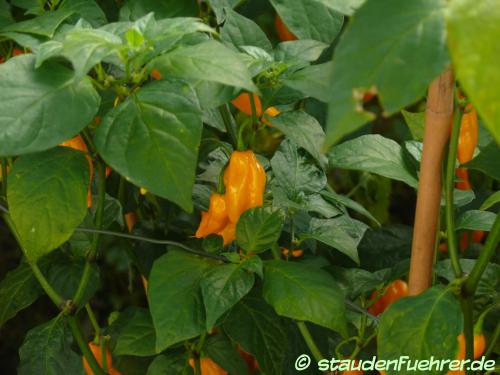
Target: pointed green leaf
(47,196)
(420,327)
(152,139)
(175,298)
(303,293)
(38,107)
(475,51)
(397,47)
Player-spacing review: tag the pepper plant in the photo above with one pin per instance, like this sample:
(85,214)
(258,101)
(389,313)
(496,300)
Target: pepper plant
(219,187)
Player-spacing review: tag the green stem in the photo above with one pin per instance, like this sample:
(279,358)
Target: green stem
(103,345)
(153,240)
(449,189)
(197,366)
(230,128)
(254,109)
(4,177)
(467,309)
(94,323)
(493,341)
(58,300)
(313,348)
(78,335)
(470,285)
(80,292)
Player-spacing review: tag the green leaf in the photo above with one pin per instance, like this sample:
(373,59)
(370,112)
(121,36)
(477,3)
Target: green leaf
(241,31)
(385,247)
(491,201)
(255,326)
(135,334)
(210,61)
(312,81)
(18,290)
(397,47)
(472,38)
(311,203)
(300,292)
(170,364)
(349,203)
(341,233)
(219,5)
(86,9)
(152,139)
(220,349)
(5,14)
(258,229)
(222,287)
(347,7)
(297,51)
(295,172)
(47,196)
(39,106)
(135,9)
(375,154)
(83,47)
(487,161)
(476,220)
(47,350)
(415,122)
(304,130)
(420,327)
(309,19)
(44,25)
(175,298)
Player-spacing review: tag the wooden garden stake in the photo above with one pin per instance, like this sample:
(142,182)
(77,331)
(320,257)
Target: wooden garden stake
(438,117)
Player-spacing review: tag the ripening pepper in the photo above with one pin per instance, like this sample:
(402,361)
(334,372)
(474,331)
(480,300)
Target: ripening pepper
(77,143)
(396,290)
(96,351)
(252,363)
(208,367)
(295,253)
(245,181)
(243,104)
(467,141)
(283,33)
(156,75)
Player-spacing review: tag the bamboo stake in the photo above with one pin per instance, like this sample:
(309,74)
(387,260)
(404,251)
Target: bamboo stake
(438,116)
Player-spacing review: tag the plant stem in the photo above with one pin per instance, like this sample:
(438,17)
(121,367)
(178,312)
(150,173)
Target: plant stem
(153,240)
(309,341)
(254,109)
(467,309)
(449,189)
(226,118)
(4,177)
(94,323)
(493,341)
(78,335)
(470,285)
(80,292)
(56,298)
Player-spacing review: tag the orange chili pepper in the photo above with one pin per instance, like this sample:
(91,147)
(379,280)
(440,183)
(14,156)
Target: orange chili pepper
(208,367)
(396,290)
(283,33)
